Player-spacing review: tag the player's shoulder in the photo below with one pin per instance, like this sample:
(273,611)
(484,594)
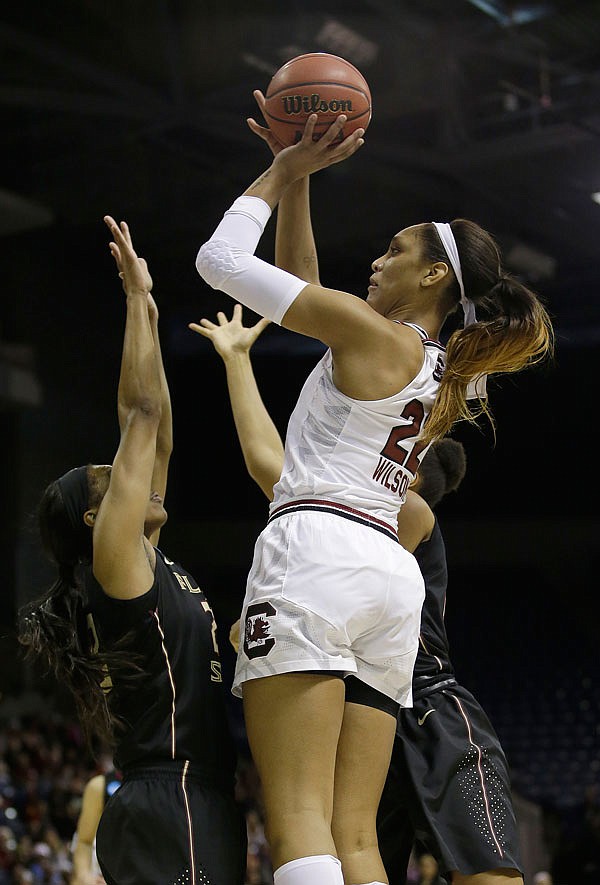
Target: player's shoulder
(412,340)
(423,347)
(397,351)
(97,781)
(416,521)
(417,506)
(95,786)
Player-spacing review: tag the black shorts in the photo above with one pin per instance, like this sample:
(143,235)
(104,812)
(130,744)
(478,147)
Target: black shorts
(161,829)
(448,788)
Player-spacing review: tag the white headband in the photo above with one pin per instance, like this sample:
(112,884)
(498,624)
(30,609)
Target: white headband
(451,249)
(477,387)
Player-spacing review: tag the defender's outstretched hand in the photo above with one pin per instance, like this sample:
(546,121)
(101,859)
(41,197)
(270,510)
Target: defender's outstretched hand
(230,337)
(132,269)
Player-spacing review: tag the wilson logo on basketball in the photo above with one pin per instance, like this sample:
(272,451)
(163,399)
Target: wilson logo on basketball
(314,104)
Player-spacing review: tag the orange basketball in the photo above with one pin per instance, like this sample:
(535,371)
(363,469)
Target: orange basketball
(316,83)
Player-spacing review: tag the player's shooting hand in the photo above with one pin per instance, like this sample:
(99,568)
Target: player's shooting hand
(309,156)
(263,131)
(230,337)
(132,269)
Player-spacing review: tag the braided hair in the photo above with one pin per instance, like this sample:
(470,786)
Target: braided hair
(55,628)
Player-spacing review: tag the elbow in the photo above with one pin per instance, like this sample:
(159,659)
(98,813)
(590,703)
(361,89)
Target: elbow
(202,262)
(264,483)
(264,477)
(215,263)
(150,408)
(145,408)
(144,400)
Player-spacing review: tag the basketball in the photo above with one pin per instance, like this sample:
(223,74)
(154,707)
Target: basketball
(316,83)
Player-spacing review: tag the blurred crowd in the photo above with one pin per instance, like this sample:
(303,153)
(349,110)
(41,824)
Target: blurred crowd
(43,770)
(45,765)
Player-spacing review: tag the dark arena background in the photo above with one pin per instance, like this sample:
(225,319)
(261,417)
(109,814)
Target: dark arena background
(481,108)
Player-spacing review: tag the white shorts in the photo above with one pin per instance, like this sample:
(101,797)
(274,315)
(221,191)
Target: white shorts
(328,593)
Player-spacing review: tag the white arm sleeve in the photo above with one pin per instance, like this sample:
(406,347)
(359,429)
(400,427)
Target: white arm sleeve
(227,262)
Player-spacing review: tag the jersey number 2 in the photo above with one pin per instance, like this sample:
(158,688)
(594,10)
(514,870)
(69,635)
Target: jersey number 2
(393,451)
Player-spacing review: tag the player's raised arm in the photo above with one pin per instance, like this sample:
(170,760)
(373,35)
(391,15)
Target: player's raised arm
(227,260)
(260,441)
(295,249)
(164,436)
(121,564)
(164,439)
(357,334)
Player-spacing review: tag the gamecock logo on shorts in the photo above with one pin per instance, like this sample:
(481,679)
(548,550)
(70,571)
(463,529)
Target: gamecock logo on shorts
(258,641)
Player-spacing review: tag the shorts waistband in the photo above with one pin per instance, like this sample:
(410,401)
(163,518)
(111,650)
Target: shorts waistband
(424,689)
(322,506)
(176,769)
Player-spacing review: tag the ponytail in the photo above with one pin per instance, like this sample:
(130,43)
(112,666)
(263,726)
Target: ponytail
(516,333)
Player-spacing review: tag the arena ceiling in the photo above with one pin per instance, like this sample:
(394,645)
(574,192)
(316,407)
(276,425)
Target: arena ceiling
(481,108)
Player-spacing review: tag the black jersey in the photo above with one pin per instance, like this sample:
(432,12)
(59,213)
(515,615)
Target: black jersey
(448,784)
(433,656)
(176,710)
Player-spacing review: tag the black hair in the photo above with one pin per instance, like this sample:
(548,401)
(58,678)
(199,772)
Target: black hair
(442,470)
(55,630)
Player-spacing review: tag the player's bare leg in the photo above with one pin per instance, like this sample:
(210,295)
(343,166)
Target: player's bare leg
(364,752)
(293,723)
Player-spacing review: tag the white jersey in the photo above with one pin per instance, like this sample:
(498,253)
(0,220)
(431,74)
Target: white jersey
(362,453)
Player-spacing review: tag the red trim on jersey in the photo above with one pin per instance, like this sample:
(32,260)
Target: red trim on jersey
(339,509)
(422,332)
